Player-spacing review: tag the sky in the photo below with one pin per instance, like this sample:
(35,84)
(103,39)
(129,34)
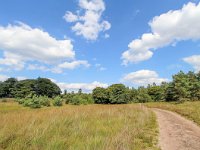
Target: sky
(90,43)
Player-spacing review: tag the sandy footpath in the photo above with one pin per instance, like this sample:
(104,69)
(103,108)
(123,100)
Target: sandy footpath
(176,132)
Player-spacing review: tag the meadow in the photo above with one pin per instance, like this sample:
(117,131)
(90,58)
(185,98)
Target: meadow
(190,110)
(85,127)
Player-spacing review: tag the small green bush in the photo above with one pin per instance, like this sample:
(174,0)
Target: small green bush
(27,102)
(57,101)
(44,101)
(35,102)
(20,101)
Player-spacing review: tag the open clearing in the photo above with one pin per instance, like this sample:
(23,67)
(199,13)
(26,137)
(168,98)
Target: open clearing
(176,132)
(103,127)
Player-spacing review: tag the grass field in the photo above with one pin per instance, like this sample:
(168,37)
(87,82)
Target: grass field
(191,110)
(90,127)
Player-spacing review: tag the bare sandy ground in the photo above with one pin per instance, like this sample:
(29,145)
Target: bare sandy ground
(176,132)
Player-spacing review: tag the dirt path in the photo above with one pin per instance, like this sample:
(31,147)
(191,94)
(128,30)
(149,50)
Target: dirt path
(176,132)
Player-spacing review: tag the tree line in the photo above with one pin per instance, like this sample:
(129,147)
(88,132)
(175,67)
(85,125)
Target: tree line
(183,87)
(12,88)
(31,92)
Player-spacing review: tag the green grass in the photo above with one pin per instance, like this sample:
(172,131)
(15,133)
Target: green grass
(191,110)
(90,127)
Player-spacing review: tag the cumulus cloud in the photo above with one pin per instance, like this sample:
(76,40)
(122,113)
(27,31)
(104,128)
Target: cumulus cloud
(100,67)
(5,77)
(194,61)
(166,29)
(21,43)
(86,87)
(143,78)
(74,64)
(59,68)
(90,23)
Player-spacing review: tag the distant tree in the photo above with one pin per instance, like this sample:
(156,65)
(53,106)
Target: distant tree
(100,96)
(65,92)
(45,87)
(24,88)
(9,85)
(155,92)
(80,91)
(181,86)
(117,94)
(143,96)
(194,86)
(3,90)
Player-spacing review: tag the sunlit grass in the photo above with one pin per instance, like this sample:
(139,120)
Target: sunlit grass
(191,110)
(91,127)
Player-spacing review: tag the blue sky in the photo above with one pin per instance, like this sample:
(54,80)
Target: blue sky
(89,43)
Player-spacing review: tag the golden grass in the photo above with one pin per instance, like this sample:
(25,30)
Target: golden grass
(191,110)
(91,127)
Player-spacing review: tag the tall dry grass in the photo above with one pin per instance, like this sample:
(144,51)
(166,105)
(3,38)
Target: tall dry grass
(91,127)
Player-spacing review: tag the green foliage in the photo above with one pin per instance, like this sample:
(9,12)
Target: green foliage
(117,94)
(24,88)
(6,87)
(44,101)
(155,92)
(78,98)
(57,101)
(68,98)
(34,101)
(11,88)
(143,96)
(114,94)
(45,87)
(100,95)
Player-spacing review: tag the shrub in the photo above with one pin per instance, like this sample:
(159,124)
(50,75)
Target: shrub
(27,102)
(44,101)
(68,98)
(77,100)
(20,101)
(57,101)
(35,102)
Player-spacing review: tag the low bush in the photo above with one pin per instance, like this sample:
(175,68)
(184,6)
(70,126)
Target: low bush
(44,101)
(57,101)
(34,101)
(79,99)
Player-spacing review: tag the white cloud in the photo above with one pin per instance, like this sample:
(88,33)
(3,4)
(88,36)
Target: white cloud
(167,29)
(143,78)
(70,17)
(90,24)
(194,61)
(100,67)
(106,36)
(23,44)
(86,87)
(3,78)
(59,68)
(74,64)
